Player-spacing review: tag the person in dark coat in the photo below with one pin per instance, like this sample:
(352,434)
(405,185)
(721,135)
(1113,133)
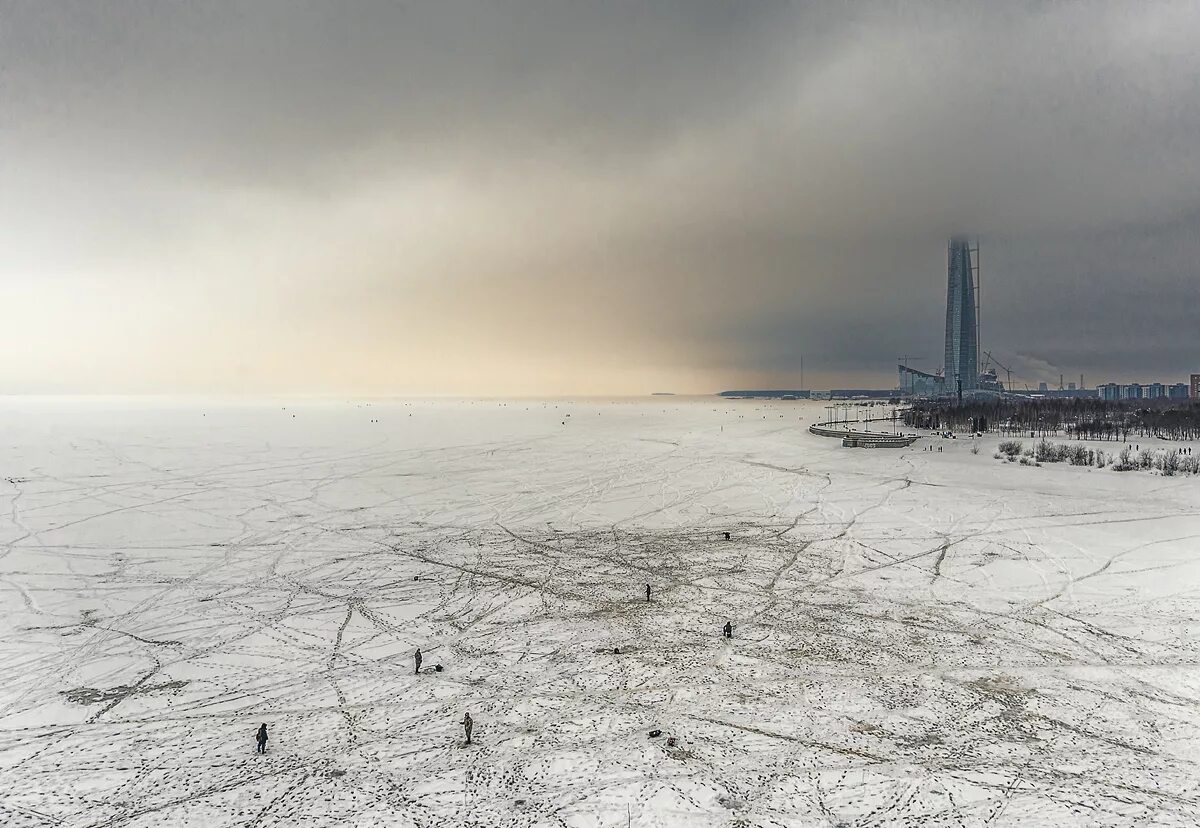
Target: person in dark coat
(647,592)
(728,630)
(468,726)
(261,738)
(417,659)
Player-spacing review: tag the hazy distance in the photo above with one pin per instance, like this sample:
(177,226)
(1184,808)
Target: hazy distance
(588,198)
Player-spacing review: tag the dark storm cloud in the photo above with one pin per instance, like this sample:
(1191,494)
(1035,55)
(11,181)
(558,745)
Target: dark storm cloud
(241,89)
(574,196)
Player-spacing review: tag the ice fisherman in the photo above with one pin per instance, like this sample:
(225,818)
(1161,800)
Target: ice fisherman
(728,629)
(417,659)
(468,725)
(261,738)
(647,592)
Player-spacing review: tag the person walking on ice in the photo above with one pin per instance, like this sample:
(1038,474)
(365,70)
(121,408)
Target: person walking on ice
(468,725)
(728,629)
(647,593)
(261,738)
(417,659)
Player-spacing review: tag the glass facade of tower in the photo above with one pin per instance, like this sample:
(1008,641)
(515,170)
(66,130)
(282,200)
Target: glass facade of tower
(962,331)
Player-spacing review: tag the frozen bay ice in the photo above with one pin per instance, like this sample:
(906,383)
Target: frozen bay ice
(919,638)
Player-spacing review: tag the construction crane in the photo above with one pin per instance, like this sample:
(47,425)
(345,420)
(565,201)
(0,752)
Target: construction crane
(999,364)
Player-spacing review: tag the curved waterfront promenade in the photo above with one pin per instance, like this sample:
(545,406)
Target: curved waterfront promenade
(855,437)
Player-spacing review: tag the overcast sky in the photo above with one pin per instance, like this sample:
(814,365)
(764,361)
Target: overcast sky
(589,197)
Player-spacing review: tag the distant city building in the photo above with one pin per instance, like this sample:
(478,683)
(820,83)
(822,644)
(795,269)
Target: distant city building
(1043,388)
(1194,390)
(962,324)
(988,381)
(920,384)
(1144,391)
(1068,393)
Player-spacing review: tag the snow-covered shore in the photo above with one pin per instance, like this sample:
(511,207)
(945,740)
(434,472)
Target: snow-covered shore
(920,638)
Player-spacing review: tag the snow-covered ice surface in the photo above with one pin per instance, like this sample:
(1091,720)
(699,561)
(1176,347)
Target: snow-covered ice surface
(921,638)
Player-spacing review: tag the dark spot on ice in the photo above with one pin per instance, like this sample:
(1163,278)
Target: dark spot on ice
(94,695)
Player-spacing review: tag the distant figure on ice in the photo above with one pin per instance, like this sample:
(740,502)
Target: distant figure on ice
(261,738)
(726,536)
(468,725)
(728,629)
(417,659)
(647,592)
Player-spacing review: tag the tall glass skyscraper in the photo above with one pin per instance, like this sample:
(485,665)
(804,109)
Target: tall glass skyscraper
(962,327)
